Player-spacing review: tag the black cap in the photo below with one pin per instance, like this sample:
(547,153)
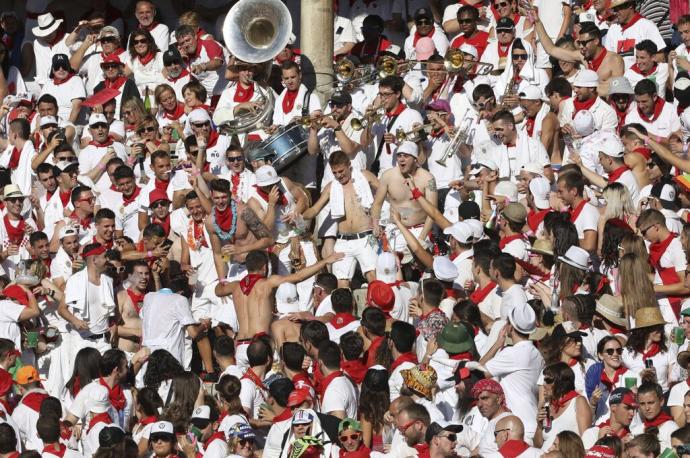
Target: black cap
(435,429)
(469,210)
(61,60)
(341,98)
(171,56)
(423,13)
(566,329)
(110,435)
(505,23)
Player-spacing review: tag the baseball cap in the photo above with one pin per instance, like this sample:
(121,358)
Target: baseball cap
(97,118)
(381,295)
(612,146)
(424,48)
(423,13)
(444,269)
(299,395)
(515,212)
(505,23)
(467,48)
(623,396)
(439,105)
(287,300)
(409,148)
(156,195)
(171,56)
(110,435)
(586,78)
(341,98)
(68,231)
(302,417)
(665,192)
(199,115)
(529,92)
(540,189)
(111,59)
(533,167)
(461,231)
(266,175)
(435,428)
(349,423)
(506,189)
(468,210)
(584,123)
(61,60)
(162,427)
(202,413)
(483,163)
(65,166)
(27,374)
(48,121)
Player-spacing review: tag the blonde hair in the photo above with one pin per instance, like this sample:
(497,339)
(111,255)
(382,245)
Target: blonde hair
(632,243)
(136,106)
(636,288)
(618,202)
(160,90)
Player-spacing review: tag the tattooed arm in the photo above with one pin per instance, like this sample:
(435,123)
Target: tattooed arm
(260,231)
(431,195)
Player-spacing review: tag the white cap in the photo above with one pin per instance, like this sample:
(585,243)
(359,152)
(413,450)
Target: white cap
(202,412)
(292,38)
(506,189)
(444,269)
(529,91)
(540,189)
(410,148)
(583,123)
(612,146)
(586,17)
(477,228)
(461,231)
(576,257)
(287,300)
(99,401)
(586,78)
(481,163)
(48,120)
(199,115)
(97,118)
(666,192)
(523,319)
(266,175)
(64,165)
(162,427)
(469,49)
(68,231)
(386,267)
(533,167)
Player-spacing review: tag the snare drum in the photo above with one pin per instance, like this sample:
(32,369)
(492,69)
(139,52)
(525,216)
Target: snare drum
(286,146)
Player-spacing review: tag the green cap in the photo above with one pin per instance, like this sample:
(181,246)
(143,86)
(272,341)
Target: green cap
(349,423)
(455,339)
(685,312)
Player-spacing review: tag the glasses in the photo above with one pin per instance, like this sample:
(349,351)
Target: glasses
(351,437)
(501,5)
(583,43)
(235,159)
(549,380)
(160,203)
(147,129)
(403,429)
(644,231)
(423,22)
(199,125)
(519,56)
(498,431)
(109,66)
(245,442)
(481,105)
(89,200)
(386,94)
(67,159)
(108,40)
(140,41)
(611,351)
(451,437)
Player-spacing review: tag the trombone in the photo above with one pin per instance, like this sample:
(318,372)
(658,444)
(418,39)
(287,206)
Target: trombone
(416,134)
(455,62)
(372,117)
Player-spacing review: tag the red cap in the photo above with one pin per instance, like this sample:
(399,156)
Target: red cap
(17,293)
(381,295)
(111,59)
(298,396)
(157,195)
(6,382)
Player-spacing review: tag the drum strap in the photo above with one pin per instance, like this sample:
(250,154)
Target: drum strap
(305,102)
(376,165)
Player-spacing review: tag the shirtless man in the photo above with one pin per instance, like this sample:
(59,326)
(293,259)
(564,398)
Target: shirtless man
(129,302)
(590,52)
(401,198)
(234,229)
(352,211)
(255,292)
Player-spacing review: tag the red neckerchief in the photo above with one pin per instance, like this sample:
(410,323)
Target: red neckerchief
(302,379)
(654,349)
(248,283)
(480,294)
(637,70)
(452,293)
(223,218)
(620,115)
(323,386)
(8,408)
(255,379)
(501,51)
(64,197)
(668,275)
(148,420)
(34,400)
(355,369)
(644,152)
(284,415)
(595,63)
(289,100)
(660,419)
(371,352)
(197,230)
(107,244)
(513,448)
(182,74)
(657,249)
(235,183)
(558,404)
(116,84)
(161,185)
(165,224)
(409,357)
(100,418)
(264,196)
(212,139)
(624,431)
(506,240)
(243,95)
(632,21)
(105,144)
(14,159)
(137,299)
(607,382)
(529,124)
(658,107)
(397,110)
(575,212)
(422,450)
(580,106)
(417,36)
(535,218)
(115,394)
(362,452)
(147,58)
(465,356)
(340,320)
(14,234)
(128,200)
(438,133)
(56,449)
(616,174)
(117,52)
(218,435)
(149,27)
(175,115)
(60,82)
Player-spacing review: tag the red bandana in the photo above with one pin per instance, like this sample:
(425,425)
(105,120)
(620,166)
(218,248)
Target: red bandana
(148,420)
(575,212)
(143,60)
(355,369)
(586,105)
(264,196)
(149,27)
(244,95)
(372,351)
(137,300)
(644,152)
(340,320)
(529,124)
(616,174)
(637,70)
(115,394)
(621,433)
(218,435)
(165,224)
(480,294)
(657,250)
(248,282)
(323,386)
(105,144)
(128,200)
(289,100)
(632,21)
(660,419)
(64,197)
(506,240)
(182,74)
(558,404)
(409,357)
(595,63)
(535,218)
(115,84)
(654,349)
(513,448)
(607,382)
(60,82)
(417,36)
(55,449)
(658,107)
(284,415)
(161,185)
(14,159)
(100,418)
(224,218)
(14,234)
(175,115)
(34,400)
(396,111)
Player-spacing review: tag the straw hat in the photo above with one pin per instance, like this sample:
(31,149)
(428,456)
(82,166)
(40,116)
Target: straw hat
(421,381)
(648,316)
(542,246)
(12,190)
(611,308)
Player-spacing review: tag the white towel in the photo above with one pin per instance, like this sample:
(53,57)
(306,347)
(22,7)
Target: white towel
(76,293)
(362,190)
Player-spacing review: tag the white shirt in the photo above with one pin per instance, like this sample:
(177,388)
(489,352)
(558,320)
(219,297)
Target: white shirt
(65,93)
(148,75)
(213,80)
(438,37)
(251,396)
(340,395)
(452,169)
(587,220)
(9,316)
(43,56)
(81,404)
(61,266)
(659,75)
(343,32)
(511,159)
(515,295)
(405,121)
(664,125)
(161,36)
(488,446)
(623,42)
(604,115)
(395,381)
(92,154)
(164,316)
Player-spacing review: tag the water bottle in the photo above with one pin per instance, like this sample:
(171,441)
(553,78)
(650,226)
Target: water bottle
(546,422)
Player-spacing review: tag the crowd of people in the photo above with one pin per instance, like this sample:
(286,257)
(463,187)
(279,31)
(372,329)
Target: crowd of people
(476,245)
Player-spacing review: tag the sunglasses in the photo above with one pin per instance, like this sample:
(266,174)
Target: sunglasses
(199,125)
(61,67)
(147,129)
(422,22)
(14,200)
(160,439)
(245,442)
(519,56)
(140,41)
(109,66)
(501,5)
(406,426)
(549,380)
(335,105)
(235,159)
(351,437)
(87,199)
(67,159)
(465,21)
(108,40)
(644,231)
(611,351)
(451,437)
(160,203)
(498,431)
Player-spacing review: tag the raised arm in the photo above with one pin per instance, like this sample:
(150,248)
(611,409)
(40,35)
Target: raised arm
(276,280)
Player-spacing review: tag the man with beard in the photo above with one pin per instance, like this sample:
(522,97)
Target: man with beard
(620,98)
(175,73)
(129,302)
(402,186)
(413,422)
(491,404)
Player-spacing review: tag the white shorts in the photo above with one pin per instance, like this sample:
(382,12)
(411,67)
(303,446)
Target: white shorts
(206,305)
(397,241)
(326,226)
(362,251)
(304,288)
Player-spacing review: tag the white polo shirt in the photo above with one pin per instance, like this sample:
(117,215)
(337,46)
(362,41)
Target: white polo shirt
(340,394)
(622,41)
(604,115)
(9,326)
(510,298)
(662,125)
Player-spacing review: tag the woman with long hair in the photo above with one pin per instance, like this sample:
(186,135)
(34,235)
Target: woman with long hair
(635,287)
(468,313)
(229,405)
(242,441)
(565,345)
(161,369)
(618,205)
(84,372)
(187,392)
(146,62)
(615,230)
(374,401)
(132,114)
(569,444)
(171,112)
(560,232)
(646,351)
(147,403)
(568,409)
(633,243)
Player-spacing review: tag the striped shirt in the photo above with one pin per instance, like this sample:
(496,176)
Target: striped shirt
(657,11)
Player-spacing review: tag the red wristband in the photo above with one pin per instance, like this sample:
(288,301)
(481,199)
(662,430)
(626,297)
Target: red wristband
(416,193)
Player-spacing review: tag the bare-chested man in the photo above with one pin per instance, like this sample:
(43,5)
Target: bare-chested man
(253,297)
(350,201)
(129,302)
(235,230)
(403,199)
(590,52)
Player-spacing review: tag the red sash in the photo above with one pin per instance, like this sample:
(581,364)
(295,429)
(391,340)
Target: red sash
(175,115)
(660,419)
(355,369)
(248,282)
(397,110)
(148,420)
(340,320)
(513,448)
(251,375)
(137,300)
(182,74)
(506,240)
(595,63)
(616,174)
(284,415)
(161,185)
(586,105)
(115,394)
(535,218)
(219,435)
(575,212)
(323,386)
(14,234)
(480,294)
(409,357)
(264,196)
(370,354)
(668,275)
(244,95)
(100,418)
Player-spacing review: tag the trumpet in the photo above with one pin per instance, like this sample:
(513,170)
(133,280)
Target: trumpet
(369,118)
(459,138)
(416,134)
(308,121)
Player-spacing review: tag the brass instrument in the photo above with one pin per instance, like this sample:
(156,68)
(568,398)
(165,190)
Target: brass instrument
(308,121)
(454,61)
(344,70)
(459,138)
(510,90)
(369,118)
(416,134)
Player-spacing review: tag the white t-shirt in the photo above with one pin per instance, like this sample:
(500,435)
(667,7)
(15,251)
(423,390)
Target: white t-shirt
(623,41)
(664,125)
(511,297)
(659,76)
(587,220)
(9,316)
(340,395)
(164,316)
(65,93)
(604,115)
(252,396)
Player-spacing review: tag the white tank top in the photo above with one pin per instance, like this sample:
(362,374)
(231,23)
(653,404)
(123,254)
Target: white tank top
(567,421)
